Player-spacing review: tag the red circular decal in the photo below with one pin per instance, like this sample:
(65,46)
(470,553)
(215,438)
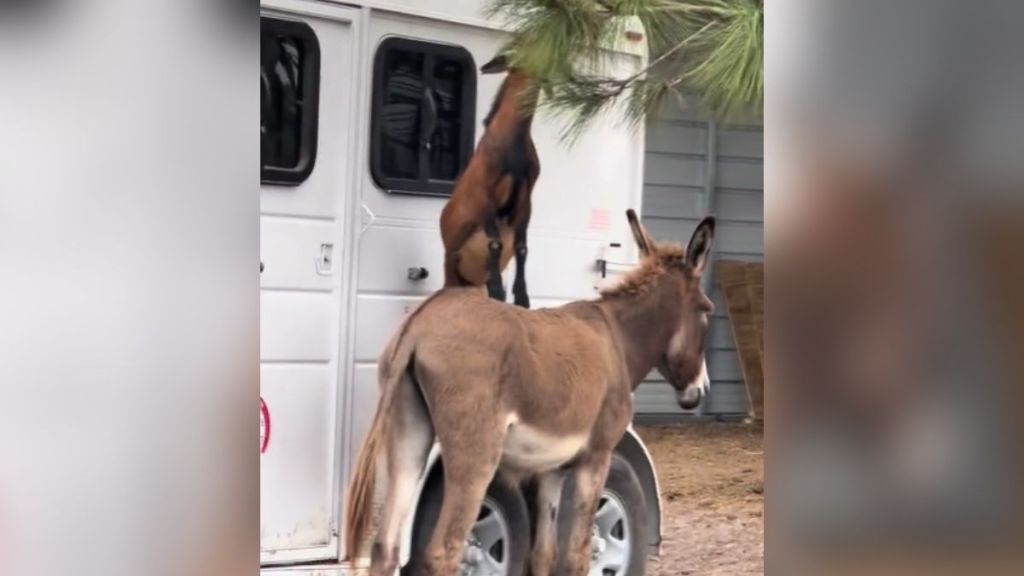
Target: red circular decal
(264,426)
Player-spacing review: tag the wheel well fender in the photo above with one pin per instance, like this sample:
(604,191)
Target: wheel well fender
(633,450)
(429,469)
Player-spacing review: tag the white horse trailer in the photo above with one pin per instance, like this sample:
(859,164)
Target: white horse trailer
(368,112)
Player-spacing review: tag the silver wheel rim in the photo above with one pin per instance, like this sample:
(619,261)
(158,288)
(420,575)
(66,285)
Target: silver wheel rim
(487,548)
(611,540)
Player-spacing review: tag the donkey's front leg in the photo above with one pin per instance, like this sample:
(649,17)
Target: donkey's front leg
(545,540)
(494,288)
(590,475)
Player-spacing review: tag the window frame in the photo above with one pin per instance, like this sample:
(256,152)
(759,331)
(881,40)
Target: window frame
(310,107)
(423,185)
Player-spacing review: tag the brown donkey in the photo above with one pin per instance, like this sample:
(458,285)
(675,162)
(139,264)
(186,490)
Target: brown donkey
(489,211)
(540,393)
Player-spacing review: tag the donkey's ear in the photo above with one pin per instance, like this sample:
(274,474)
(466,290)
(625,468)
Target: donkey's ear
(699,248)
(643,240)
(497,65)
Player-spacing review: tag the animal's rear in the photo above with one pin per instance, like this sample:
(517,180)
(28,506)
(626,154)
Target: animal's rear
(359,499)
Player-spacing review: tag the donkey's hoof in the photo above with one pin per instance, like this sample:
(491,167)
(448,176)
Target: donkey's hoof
(523,301)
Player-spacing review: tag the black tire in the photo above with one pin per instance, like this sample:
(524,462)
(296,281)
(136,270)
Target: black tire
(622,482)
(508,499)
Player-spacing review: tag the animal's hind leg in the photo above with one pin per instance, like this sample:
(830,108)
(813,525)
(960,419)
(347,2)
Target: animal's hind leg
(591,473)
(494,288)
(471,449)
(408,444)
(545,539)
(519,286)
(464,488)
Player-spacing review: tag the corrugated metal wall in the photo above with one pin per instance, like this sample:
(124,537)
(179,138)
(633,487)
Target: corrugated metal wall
(683,150)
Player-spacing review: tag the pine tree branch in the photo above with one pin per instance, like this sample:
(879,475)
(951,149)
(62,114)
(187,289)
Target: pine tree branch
(665,55)
(718,44)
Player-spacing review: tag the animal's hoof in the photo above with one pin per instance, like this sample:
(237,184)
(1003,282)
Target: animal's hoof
(523,302)
(496,293)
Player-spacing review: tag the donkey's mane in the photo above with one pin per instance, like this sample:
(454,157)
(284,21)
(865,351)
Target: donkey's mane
(641,279)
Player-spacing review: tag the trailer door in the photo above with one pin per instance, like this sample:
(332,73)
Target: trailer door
(307,76)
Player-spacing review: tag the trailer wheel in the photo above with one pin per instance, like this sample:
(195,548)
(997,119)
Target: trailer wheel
(618,538)
(499,543)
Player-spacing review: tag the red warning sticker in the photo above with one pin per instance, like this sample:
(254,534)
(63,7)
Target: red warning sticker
(264,426)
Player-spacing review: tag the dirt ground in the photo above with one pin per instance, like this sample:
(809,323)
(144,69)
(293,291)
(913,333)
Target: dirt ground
(712,488)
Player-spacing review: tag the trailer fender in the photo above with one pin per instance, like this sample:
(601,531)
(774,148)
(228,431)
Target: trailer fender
(431,467)
(632,448)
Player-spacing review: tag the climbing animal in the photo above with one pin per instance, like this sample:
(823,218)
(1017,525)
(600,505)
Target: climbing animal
(486,219)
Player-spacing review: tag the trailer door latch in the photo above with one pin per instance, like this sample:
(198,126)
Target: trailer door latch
(325,261)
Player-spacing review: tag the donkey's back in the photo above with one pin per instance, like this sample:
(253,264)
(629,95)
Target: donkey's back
(551,369)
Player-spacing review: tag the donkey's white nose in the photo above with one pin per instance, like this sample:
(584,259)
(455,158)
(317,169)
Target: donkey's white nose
(690,397)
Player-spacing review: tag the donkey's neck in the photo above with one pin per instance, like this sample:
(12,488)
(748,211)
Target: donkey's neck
(646,322)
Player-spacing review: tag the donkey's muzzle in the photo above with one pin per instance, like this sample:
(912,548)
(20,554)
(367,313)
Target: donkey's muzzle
(690,397)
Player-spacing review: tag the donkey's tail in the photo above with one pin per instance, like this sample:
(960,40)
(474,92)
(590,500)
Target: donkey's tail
(359,510)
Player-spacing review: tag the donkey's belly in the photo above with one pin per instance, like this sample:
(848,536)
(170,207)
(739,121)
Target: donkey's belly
(527,448)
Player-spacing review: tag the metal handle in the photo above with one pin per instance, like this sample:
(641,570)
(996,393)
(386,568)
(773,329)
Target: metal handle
(418,273)
(602,263)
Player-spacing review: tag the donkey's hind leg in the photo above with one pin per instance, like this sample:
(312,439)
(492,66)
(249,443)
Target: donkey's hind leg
(408,444)
(545,538)
(471,456)
(464,490)
(590,473)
